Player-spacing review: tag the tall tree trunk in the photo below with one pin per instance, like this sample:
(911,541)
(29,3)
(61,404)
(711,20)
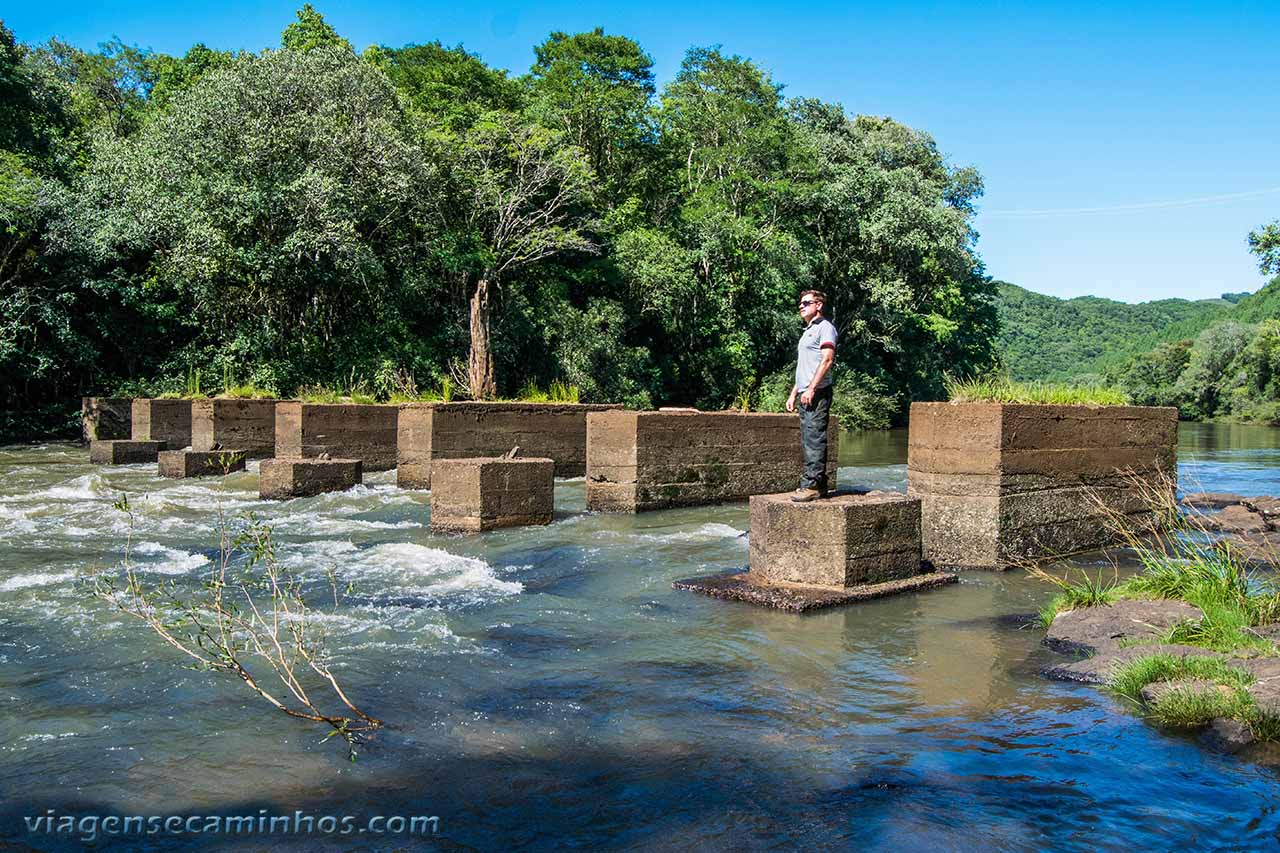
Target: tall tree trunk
(480,359)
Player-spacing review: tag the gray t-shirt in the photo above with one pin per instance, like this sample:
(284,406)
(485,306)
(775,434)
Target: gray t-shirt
(817,336)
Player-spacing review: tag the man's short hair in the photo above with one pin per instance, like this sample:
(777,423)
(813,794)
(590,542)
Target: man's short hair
(816,294)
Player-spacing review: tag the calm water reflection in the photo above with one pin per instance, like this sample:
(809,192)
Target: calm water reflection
(549,688)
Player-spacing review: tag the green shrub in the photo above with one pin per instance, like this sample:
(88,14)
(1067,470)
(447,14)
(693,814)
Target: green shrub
(860,401)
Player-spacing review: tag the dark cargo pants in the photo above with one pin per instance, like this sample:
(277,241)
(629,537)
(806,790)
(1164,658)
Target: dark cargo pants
(813,439)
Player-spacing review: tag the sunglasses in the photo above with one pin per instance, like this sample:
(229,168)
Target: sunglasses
(806,303)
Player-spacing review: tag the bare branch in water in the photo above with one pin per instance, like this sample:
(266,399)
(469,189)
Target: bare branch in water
(252,622)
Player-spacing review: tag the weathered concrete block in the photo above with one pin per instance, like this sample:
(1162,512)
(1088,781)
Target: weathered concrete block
(431,431)
(247,425)
(162,420)
(349,431)
(482,494)
(639,461)
(845,540)
(121,452)
(200,463)
(1000,483)
(105,418)
(279,479)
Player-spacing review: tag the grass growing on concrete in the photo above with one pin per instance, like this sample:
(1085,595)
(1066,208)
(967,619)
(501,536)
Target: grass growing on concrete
(557,392)
(1001,389)
(247,391)
(323,394)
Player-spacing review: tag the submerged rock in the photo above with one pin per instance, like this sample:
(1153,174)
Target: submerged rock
(1094,629)
(1099,631)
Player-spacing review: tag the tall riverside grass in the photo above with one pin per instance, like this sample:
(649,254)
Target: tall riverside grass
(1001,389)
(1180,560)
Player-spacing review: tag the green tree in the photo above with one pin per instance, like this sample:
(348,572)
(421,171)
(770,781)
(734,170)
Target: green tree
(1202,387)
(517,198)
(1265,243)
(171,75)
(451,87)
(311,31)
(894,249)
(281,200)
(597,89)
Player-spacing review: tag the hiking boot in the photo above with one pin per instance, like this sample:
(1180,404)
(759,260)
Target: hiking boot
(805,495)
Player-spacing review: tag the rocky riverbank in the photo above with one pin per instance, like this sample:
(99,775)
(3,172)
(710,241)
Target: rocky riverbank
(1251,523)
(1121,637)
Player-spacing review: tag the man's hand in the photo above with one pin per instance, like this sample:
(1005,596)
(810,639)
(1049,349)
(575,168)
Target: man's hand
(806,399)
(791,401)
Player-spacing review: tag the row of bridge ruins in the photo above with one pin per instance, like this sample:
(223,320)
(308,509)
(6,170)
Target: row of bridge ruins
(989,484)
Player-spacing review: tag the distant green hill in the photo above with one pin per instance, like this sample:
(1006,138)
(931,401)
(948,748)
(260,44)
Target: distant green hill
(1043,337)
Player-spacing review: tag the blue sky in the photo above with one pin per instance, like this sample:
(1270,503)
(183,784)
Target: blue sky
(1127,151)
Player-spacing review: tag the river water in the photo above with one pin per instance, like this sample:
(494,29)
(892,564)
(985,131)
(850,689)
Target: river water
(546,687)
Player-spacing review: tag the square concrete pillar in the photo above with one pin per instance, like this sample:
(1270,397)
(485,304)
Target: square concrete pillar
(162,420)
(472,429)
(247,425)
(639,461)
(345,430)
(482,494)
(105,418)
(280,479)
(124,452)
(200,463)
(1000,483)
(846,540)
(839,550)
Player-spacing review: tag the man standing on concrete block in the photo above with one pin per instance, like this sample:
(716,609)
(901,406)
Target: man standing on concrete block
(814,357)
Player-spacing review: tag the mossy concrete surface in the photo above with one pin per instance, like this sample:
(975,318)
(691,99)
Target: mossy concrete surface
(638,461)
(472,495)
(181,464)
(1001,483)
(162,420)
(105,418)
(798,599)
(280,479)
(847,539)
(123,452)
(432,431)
(247,425)
(343,430)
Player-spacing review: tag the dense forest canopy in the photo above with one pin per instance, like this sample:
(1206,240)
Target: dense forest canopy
(313,215)
(406,217)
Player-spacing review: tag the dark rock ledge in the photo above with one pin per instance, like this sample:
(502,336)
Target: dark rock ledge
(1127,630)
(1252,524)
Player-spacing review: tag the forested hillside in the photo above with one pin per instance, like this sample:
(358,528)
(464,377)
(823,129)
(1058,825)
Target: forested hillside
(1043,337)
(1211,359)
(405,215)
